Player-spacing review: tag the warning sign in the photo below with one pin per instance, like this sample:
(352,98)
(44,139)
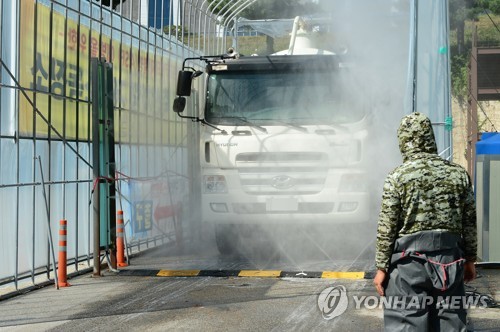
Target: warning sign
(142,216)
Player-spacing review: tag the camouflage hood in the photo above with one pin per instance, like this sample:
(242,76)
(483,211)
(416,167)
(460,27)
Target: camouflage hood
(415,135)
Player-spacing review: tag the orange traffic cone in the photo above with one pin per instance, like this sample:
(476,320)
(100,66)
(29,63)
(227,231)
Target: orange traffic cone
(120,243)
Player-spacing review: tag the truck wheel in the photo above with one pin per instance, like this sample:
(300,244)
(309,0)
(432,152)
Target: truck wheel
(227,239)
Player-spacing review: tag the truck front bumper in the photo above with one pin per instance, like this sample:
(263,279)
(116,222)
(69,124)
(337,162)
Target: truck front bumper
(324,208)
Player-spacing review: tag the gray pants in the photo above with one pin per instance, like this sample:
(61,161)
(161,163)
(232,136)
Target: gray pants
(426,284)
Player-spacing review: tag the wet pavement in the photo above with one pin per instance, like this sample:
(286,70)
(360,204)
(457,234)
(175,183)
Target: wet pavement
(124,301)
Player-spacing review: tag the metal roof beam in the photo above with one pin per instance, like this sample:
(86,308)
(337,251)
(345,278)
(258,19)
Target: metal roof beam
(228,8)
(245,4)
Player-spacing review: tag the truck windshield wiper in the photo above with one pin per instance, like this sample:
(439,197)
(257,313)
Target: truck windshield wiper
(243,120)
(289,124)
(338,126)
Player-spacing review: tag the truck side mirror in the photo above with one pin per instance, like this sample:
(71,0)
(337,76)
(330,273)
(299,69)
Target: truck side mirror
(179,104)
(184,81)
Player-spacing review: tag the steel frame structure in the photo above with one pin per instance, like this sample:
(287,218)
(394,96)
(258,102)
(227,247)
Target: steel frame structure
(142,104)
(45,128)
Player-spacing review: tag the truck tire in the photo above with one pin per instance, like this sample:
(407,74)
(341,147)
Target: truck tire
(227,239)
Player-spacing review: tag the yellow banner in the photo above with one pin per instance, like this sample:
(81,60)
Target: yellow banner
(54,65)
(55,62)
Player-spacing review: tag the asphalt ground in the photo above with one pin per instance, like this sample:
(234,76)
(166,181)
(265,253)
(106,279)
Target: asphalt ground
(141,298)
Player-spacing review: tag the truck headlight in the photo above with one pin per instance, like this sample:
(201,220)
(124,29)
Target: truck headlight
(214,184)
(219,207)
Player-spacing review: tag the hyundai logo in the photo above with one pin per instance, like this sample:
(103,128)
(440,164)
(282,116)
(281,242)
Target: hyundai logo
(282,182)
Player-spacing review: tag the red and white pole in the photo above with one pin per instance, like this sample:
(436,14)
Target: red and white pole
(62,274)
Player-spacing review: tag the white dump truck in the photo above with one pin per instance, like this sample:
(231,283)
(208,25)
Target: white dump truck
(283,140)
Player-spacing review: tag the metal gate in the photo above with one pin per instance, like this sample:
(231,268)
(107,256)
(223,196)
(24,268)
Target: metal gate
(45,128)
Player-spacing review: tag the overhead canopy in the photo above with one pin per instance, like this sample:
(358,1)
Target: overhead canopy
(280,27)
(489,144)
(272,27)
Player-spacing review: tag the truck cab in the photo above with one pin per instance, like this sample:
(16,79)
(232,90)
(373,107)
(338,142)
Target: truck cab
(283,142)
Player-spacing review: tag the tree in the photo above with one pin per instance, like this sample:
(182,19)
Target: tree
(462,10)
(113,3)
(280,9)
(271,9)
(268,9)
(491,5)
(176,30)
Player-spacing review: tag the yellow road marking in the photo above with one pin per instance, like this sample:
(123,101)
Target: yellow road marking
(259,273)
(342,275)
(178,273)
(262,273)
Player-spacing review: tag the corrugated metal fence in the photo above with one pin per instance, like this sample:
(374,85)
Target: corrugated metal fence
(45,125)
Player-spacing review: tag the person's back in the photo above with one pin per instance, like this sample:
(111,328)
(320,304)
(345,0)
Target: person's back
(427,220)
(433,192)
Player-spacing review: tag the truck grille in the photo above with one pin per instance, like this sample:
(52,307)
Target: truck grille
(282,173)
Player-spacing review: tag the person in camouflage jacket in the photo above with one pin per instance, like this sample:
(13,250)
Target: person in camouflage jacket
(426,237)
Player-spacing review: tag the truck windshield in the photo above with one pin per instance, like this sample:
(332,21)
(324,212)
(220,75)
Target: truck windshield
(274,98)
